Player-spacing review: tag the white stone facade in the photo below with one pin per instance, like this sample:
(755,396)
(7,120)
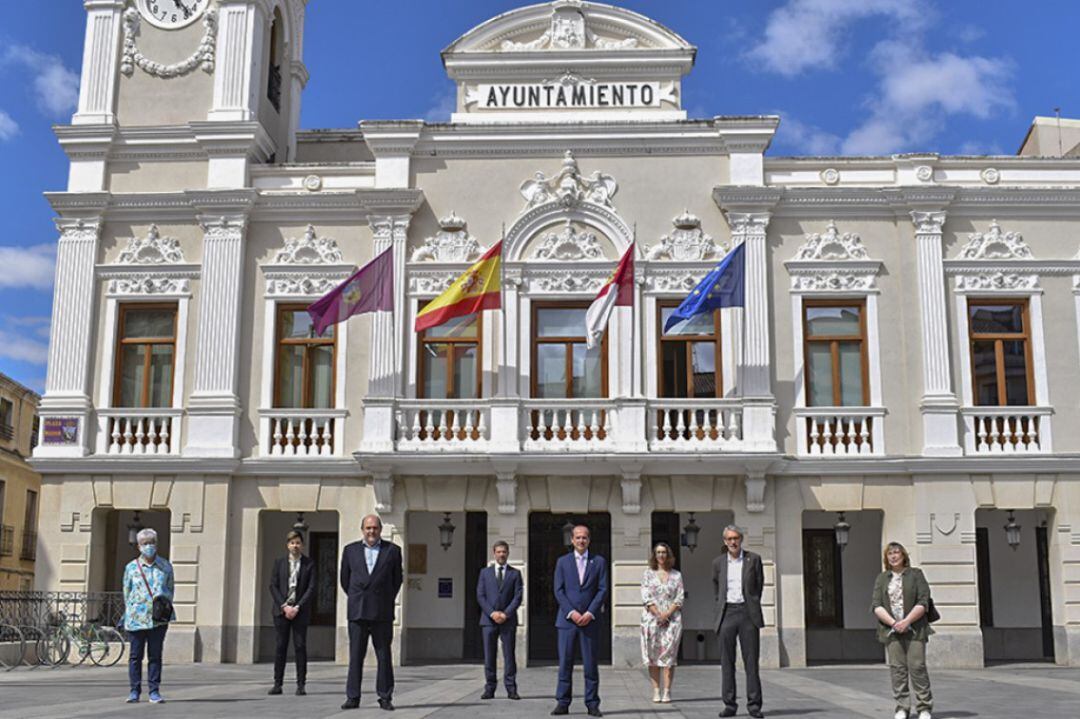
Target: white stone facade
(220,207)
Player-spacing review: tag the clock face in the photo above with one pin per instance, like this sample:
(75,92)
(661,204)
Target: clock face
(172,14)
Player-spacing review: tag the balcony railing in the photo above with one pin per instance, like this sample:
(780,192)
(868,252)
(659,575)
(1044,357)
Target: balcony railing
(7,540)
(840,431)
(695,424)
(442,425)
(141,431)
(1007,430)
(29,546)
(7,431)
(301,432)
(567,425)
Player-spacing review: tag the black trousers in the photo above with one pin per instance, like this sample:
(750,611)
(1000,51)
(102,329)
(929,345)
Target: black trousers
(283,628)
(381,634)
(736,624)
(507,634)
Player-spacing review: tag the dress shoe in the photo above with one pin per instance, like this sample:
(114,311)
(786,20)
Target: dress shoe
(756,713)
(487,695)
(513,695)
(301,691)
(901,714)
(728,712)
(351,704)
(386,704)
(595,712)
(274,690)
(559,710)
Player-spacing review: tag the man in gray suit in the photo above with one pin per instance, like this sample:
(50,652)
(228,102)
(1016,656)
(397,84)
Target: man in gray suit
(738,579)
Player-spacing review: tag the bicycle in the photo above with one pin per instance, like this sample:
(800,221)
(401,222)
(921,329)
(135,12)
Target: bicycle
(104,646)
(12,647)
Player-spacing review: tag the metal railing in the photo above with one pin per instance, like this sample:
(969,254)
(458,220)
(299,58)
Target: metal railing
(7,540)
(44,609)
(29,546)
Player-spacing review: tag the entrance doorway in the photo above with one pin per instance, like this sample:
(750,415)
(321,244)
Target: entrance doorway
(546,545)
(837,582)
(118,544)
(1014,586)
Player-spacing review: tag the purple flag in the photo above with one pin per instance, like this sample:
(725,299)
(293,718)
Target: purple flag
(369,289)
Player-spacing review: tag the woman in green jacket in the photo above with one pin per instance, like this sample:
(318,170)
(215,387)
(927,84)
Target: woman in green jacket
(901,601)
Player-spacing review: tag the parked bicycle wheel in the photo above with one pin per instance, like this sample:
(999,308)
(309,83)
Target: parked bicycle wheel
(12,647)
(114,646)
(53,647)
(82,643)
(31,636)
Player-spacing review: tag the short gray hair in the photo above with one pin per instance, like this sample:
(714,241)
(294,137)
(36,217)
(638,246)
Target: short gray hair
(146,533)
(732,528)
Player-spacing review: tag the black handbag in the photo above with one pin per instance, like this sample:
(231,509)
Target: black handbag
(932,614)
(162,609)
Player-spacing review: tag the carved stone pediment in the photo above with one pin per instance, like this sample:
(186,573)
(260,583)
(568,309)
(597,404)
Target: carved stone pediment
(568,30)
(995,245)
(831,245)
(152,250)
(309,250)
(569,187)
(452,243)
(148,285)
(569,244)
(998,280)
(686,243)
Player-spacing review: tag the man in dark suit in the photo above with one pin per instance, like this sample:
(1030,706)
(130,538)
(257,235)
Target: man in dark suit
(581,585)
(371,576)
(498,592)
(738,579)
(292,588)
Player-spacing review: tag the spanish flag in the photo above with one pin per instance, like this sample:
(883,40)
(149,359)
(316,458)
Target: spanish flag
(478,288)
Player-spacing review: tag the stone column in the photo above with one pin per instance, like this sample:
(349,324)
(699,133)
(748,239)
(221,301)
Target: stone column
(67,383)
(939,405)
(631,532)
(755,514)
(759,406)
(242,28)
(214,405)
(101,62)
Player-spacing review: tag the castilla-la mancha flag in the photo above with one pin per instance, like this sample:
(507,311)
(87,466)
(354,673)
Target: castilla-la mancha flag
(478,288)
(618,291)
(369,289)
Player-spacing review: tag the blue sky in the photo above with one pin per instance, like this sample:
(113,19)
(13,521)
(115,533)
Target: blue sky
(847,77)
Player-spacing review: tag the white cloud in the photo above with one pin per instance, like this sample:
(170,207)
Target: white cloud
(443,104)
(8,127)
(55,86)
(808,34)
(805,138)
(16,346)
(30,267)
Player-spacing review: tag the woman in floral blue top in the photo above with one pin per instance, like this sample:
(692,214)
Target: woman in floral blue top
(145,577)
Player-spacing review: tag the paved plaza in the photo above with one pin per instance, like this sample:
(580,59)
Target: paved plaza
(453,691)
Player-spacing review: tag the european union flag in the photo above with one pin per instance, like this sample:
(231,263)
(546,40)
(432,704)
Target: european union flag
(725,286)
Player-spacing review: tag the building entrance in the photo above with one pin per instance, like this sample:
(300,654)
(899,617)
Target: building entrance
(548,540)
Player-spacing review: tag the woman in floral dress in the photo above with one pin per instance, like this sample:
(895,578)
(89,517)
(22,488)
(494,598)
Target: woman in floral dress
(661,619)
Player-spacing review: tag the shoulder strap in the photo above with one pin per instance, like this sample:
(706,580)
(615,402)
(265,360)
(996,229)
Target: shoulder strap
(149,591)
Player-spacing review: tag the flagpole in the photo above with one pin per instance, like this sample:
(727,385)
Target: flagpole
(502,374)
(635,351)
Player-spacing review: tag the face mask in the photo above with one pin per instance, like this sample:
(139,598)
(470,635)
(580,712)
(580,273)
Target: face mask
(148,550)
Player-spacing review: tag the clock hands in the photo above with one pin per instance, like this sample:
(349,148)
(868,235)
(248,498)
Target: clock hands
(183,8)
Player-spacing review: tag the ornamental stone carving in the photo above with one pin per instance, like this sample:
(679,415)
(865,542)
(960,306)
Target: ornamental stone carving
(831,245)
(566,282)
(452,243)
(568,31)
(686,243)
(430,284)
(152,250)
(568,187)
(569,244)
(301,285)
(998,280)
(673,282)
(833,282)
(995,245)
(928,223)
(203,56)
(149,285)
(309,250)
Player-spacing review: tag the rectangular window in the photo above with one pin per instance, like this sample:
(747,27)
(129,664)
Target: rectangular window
(7,419)
(563,368)
(1001,364)
(305,361)
(835,359)
(31,515)
(449,364)
(147,355)
(690,356)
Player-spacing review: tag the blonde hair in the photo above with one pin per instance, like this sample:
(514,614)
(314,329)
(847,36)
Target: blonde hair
(885,555)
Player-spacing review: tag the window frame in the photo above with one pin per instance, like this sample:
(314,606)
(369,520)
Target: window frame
(687,341)
(834,342)
(998,339)
(568,340)
(421,362)
(307,390)
(117,390)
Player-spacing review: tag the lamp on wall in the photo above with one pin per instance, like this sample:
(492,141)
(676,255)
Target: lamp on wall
(446,532)
(300,525)
(568,532)
(843,532)
(690,534)
(1012,531)
(134,527)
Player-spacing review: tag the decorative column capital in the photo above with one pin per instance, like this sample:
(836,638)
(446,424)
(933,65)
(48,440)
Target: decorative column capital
(223,227)
(78,229)
(382,482)
(631,488)
(755,491)
(928,223)
(388,228)
(747,224)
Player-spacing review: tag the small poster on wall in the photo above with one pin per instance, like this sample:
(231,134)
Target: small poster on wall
(417,559)
(446,587)
(60,430)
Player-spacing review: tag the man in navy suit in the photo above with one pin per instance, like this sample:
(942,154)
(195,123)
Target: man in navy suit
(498,591)
(581,585)
(371,576)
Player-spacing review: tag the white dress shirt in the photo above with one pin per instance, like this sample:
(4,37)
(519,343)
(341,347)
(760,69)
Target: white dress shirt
(734,579)
(294,577)
(371,555)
